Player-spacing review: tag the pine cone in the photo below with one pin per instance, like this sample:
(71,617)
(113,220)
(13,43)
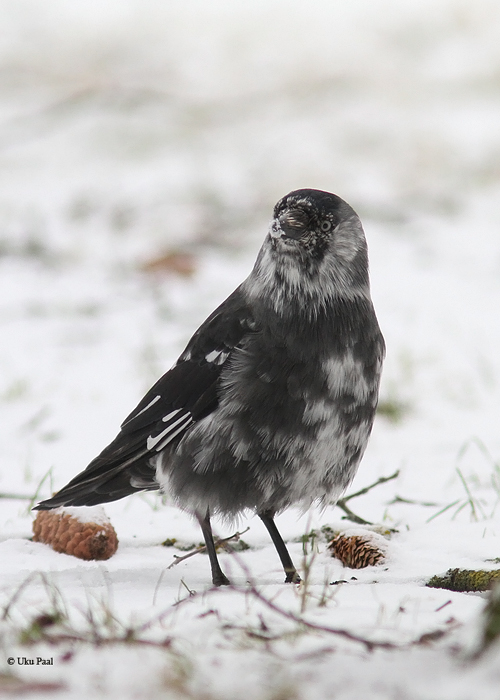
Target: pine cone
(358,550)
(71,531)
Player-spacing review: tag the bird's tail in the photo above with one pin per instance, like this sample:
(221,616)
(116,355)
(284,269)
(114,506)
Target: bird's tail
(83,491)
(108,477)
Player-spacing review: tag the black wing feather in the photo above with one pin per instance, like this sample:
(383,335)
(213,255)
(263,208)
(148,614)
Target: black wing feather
(182,396)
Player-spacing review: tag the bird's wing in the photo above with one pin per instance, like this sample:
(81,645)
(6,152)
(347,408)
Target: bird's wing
(181,397)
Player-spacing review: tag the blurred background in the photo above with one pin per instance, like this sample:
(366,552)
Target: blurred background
(143,145)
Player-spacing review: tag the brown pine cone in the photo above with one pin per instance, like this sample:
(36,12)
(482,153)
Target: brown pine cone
(71,531)
(358,550)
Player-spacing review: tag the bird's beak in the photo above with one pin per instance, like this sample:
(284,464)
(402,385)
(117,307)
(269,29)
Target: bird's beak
(291,224)
(294,223)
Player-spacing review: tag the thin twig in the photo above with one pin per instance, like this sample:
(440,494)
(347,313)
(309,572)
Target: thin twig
(339,632)
(252,588)
(361,492)
(218,542)
(349,514)
(411,502)
(368,643)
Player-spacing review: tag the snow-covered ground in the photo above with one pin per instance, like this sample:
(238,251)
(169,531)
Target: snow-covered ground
(134,128)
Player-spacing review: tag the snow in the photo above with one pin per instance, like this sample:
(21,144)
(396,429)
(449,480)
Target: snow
(89,514)
(131,129)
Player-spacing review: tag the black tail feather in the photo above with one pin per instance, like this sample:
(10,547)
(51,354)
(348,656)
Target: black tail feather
(92,492)
(112,475)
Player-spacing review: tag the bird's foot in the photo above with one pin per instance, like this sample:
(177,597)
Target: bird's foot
(220,579)
(292,577)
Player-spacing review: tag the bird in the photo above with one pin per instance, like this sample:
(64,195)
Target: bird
(271,404)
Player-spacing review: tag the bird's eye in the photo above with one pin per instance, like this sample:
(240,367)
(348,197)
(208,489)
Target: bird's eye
(326,225)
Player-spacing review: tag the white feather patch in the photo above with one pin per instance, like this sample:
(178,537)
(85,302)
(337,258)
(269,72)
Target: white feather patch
(171,431)
(217,357)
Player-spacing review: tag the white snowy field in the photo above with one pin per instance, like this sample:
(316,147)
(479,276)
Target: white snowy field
(130,129)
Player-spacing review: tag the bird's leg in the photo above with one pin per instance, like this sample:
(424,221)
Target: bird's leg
(218,577)
(292,575)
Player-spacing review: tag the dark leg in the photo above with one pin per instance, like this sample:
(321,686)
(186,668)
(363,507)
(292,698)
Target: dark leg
(291,572)
(218,577)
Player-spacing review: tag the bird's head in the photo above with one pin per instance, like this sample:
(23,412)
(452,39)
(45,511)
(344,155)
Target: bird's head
(316,248)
